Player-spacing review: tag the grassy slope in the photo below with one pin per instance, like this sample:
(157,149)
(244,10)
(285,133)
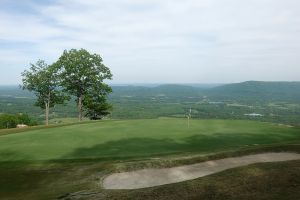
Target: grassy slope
(82,181)
(111,140)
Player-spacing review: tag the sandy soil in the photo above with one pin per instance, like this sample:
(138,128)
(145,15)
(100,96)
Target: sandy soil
(155,177)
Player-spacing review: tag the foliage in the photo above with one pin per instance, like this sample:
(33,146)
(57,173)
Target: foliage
(95,105)
(98,110)
(42,80)
(82,74)
(12,120)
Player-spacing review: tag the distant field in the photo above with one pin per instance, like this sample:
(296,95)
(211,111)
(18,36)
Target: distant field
(276,102)
(133,139)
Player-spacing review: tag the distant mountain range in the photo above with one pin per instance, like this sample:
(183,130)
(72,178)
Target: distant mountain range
(246,91)
(259,91)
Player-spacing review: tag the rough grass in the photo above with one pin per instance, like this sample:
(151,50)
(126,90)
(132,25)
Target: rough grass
(83,180)
(260,181)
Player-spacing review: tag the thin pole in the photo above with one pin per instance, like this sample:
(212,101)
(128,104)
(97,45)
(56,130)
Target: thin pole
(189,116)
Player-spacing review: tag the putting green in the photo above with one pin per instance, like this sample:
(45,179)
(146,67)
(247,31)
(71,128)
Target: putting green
(114,140)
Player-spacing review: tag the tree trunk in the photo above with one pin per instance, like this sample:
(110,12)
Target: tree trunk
(80,108)
(47,105)
(47,113)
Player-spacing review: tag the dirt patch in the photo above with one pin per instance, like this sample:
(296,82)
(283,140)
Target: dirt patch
(154,177)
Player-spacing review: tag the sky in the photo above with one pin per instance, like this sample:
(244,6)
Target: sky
(157,41)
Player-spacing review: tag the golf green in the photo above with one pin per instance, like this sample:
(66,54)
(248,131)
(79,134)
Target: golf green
(113,140)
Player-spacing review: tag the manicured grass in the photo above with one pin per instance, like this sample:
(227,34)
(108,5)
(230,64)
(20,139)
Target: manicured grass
(136,139)
(54,162)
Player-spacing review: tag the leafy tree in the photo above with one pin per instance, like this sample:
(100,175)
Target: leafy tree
(11,120)
(8,121)
(82,75)
(24,118)
(42,80)
(95,103)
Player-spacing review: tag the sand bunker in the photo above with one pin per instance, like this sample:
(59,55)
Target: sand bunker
(155,177)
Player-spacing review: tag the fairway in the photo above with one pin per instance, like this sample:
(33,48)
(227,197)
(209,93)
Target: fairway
(137,139)
(56,162)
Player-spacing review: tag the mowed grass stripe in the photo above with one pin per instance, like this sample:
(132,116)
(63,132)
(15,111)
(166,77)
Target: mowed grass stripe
(140,139)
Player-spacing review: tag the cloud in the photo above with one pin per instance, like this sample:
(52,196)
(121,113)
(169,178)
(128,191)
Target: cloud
(160,41)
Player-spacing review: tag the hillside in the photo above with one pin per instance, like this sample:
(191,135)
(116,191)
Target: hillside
(258,91)
(277,102)
(251,90)
(172,90)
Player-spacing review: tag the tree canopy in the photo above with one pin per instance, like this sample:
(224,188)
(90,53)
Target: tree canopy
(76,73)
(82,75)
(42,79)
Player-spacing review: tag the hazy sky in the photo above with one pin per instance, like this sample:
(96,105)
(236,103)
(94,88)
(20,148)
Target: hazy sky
(157,41)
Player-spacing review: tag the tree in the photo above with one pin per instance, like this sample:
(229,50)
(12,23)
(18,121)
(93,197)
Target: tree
(11,120)
(42,80)
(95,103)
(82,75)
(8,121)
